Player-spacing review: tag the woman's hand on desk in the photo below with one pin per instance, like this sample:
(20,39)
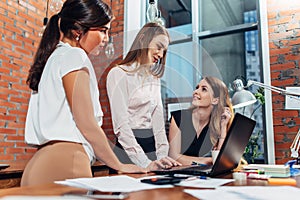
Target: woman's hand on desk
(163,163)
(130,168)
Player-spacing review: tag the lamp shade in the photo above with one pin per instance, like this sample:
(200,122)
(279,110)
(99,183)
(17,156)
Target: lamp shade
(241,97)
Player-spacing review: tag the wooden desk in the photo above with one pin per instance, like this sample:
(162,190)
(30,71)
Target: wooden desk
(161,194)
(11,176)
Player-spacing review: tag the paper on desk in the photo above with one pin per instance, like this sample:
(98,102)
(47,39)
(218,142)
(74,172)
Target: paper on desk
(204,183)
(120,183)
(247,192)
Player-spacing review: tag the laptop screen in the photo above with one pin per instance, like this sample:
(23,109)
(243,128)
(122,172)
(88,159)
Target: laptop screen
(230,153)
(234,145)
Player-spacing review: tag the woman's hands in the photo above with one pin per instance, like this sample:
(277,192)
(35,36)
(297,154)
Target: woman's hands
(163,163)
(131,168)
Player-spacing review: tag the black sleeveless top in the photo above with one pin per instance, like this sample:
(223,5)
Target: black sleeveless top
(190,144)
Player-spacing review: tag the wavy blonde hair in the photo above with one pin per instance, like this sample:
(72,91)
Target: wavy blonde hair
(220,91)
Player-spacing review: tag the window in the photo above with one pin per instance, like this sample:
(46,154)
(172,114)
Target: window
(222,38)
(225,45)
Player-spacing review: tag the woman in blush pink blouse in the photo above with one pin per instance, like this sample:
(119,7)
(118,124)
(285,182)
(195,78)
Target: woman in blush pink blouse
(133,89)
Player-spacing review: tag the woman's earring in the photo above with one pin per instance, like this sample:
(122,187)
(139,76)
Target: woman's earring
(77,38)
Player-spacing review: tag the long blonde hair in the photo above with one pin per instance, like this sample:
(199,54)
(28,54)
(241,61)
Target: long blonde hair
(220,91)
(140,47)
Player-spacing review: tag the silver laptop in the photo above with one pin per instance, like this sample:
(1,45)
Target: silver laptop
(230,153)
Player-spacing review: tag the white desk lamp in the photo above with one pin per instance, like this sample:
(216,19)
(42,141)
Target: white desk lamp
(293,95)
(242,98)
(295,146)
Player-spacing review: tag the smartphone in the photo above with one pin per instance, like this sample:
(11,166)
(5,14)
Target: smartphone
(101,195)
(162,180)
(113,195)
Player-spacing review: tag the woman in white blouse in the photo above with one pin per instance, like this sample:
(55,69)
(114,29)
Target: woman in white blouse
(64,116)
(135,101)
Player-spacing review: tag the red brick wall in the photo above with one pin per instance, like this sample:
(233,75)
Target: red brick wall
(20,23)
(102,65)
(284,41)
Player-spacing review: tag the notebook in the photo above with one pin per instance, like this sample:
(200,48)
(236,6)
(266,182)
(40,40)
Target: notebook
(230,153)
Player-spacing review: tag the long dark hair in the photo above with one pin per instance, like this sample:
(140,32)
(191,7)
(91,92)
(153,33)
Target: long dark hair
(139,48)
(78,15)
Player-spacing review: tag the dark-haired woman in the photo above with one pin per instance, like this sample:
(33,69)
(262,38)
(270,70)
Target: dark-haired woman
(64,116)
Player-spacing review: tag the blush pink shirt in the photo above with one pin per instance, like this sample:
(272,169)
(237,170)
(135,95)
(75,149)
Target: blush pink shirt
(135,103)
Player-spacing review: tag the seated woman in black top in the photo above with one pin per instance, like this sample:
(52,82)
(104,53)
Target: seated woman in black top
(194,132)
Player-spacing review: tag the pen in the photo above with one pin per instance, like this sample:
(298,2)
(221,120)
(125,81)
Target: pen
(252,171)
(197,177)
(203,177)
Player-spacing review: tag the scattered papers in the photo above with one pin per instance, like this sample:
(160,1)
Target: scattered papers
(120,183)
(125,183)
(247,192)
(204,183)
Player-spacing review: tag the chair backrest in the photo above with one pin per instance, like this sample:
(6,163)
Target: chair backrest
(172,104)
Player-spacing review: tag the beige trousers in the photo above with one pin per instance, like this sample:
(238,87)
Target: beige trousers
(57,161)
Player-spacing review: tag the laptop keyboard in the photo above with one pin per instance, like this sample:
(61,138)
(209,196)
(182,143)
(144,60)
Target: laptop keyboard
(197,168)
(193,170)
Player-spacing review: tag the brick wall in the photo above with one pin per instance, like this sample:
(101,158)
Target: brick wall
(284,40)
(102,65)
(20,24)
